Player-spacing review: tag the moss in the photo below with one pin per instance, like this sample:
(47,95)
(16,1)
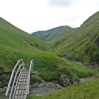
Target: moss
(34,80)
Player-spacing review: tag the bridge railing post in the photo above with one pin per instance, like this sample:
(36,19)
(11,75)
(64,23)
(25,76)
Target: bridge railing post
(30,71)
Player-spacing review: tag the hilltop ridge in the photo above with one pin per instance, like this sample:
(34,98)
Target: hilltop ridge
(51,36)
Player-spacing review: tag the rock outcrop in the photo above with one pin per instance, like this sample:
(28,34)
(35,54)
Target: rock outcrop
(66,80)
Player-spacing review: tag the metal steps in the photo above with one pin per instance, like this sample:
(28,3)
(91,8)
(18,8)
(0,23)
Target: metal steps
(20,91)
(18,86)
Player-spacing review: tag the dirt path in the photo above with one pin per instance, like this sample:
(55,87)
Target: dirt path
(82,80)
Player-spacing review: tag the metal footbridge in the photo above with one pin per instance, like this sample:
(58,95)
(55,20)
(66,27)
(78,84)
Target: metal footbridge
(18,86)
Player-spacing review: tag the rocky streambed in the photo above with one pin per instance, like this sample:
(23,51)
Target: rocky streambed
(46,87)
(50,87)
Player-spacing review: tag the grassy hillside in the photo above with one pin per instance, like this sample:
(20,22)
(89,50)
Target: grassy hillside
(50,67)
(13,40)
(53,35)
(83,44)
(16,44)
(89,90)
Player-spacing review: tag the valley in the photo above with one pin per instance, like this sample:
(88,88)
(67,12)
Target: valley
(79,47)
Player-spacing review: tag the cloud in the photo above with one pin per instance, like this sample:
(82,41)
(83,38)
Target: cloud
(35,15)
(61,3)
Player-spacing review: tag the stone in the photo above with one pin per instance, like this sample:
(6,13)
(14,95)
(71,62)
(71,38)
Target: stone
(58,86)
(2,90)
(38,94)
(35,85)
(64,80)
(34,73)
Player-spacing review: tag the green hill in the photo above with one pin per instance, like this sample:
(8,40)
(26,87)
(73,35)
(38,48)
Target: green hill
(14,41)
(53,35)
(16,44)
(83,44)
(18,39)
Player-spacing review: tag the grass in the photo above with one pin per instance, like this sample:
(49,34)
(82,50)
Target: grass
(50,66)
(47,65)
(16,44)
(82,44)
(81,70)
(34,80)
(89,90)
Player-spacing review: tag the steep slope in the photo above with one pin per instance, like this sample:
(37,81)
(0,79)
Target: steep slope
(53,35)
(16,44)
(15,40)
(83,44)
(18,39)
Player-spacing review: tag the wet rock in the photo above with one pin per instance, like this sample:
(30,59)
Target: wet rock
(2,90)
(4,78)
(35,85)
(66,80)
(38,94)
(58,86)
(45,88)
(34,73)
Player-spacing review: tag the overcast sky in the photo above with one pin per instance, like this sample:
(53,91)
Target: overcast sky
(36,15)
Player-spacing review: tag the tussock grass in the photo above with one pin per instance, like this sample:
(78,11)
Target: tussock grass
(81,70)
(50,66)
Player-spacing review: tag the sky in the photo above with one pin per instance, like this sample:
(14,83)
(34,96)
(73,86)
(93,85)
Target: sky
(38,15)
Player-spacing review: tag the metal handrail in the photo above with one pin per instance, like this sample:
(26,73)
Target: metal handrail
(18,80)
(15,71)
(30,71)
